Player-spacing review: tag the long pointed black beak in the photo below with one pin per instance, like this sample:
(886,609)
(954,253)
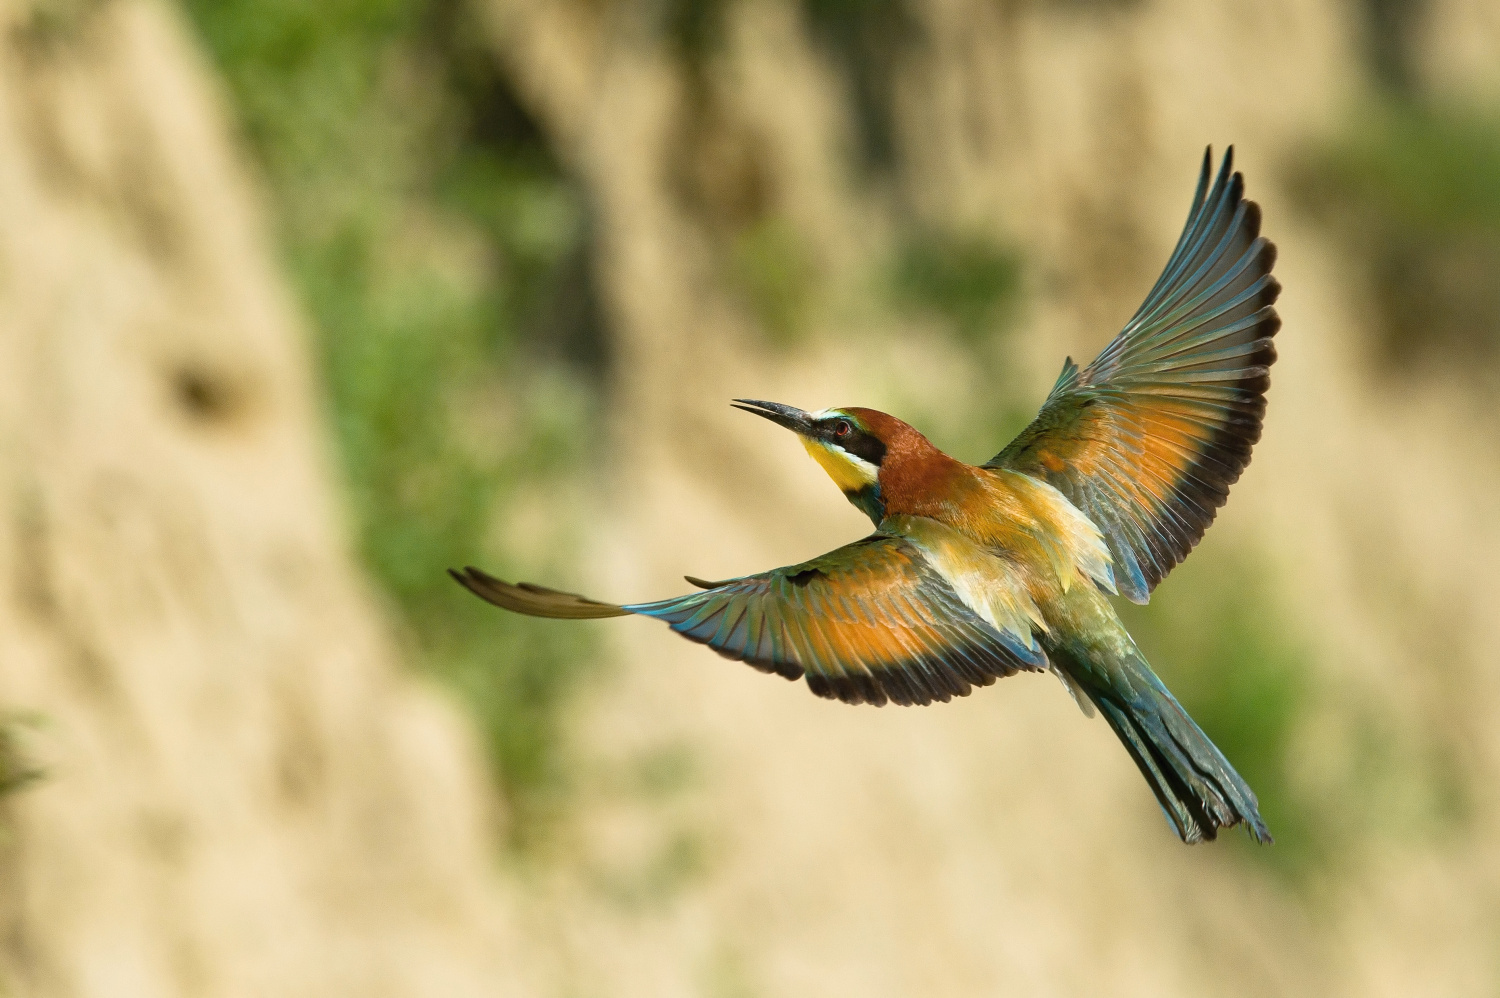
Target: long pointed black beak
(791,417)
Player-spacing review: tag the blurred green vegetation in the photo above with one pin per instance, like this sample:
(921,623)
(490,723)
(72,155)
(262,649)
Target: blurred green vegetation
(1410,186)
(971,282)
(1412,191)
(775,274)
(442,254)
(17,770)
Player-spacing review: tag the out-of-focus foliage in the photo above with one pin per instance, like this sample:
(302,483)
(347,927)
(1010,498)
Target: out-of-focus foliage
(971,282)
(1411,186)
(1413,191)
(775,274)
(442,255)
(16,768)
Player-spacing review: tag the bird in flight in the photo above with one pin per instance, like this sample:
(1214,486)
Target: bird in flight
(978,572)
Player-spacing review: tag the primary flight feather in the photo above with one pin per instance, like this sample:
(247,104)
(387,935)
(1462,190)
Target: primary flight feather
(979,572)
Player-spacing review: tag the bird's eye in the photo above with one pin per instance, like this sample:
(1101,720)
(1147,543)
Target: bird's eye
(841,428)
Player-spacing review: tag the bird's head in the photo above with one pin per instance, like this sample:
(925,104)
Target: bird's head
(850,444)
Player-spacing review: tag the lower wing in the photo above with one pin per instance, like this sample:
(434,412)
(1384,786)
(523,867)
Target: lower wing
(871,622)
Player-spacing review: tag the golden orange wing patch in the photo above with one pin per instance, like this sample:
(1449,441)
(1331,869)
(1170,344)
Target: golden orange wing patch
(871,622)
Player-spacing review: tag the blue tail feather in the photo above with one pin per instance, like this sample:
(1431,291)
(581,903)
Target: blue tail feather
(1197,788)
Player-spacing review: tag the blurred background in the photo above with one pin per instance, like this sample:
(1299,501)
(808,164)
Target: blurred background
(302,304)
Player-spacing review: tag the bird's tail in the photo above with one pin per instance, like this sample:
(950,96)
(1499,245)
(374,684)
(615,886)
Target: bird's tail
(1196,786)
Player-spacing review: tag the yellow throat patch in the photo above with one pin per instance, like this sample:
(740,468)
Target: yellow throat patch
(848,472)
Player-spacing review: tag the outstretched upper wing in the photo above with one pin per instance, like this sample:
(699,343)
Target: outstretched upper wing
(1148,438)
(871,622)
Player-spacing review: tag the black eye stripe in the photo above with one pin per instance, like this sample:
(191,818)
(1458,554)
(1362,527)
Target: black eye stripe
(863,445)
(853,439)
(856,441)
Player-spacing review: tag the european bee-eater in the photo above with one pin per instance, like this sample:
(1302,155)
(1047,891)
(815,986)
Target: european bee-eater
(977,572)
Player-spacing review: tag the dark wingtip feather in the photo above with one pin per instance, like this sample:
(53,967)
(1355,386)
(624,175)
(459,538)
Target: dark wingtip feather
(1252,217)
(786,670)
